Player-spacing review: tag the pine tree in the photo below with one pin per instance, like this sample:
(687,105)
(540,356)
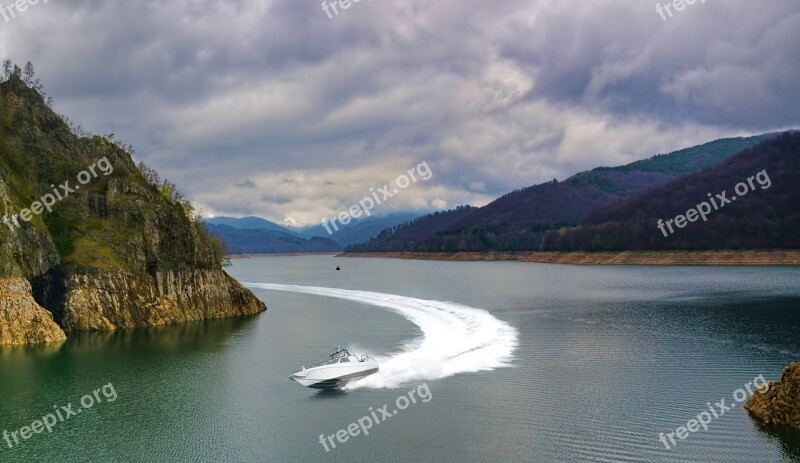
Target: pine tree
(28,74)
(7,68)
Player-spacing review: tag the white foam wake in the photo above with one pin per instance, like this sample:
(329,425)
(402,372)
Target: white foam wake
(455,338)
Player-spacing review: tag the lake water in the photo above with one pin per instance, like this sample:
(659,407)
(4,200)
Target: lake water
(522,362)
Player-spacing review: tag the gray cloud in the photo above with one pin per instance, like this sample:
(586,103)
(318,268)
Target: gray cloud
(276,199)
(246,183)
(493,95)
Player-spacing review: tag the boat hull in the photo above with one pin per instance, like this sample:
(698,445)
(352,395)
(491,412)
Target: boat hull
(334,376)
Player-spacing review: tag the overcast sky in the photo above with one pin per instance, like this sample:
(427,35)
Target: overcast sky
(270,108)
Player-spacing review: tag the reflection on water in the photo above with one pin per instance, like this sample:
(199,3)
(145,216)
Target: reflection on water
(329,394)
(34,350)
(607,359)
(789,441)
(181,337)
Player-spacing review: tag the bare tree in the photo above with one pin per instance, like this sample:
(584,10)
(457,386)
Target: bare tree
(150,174)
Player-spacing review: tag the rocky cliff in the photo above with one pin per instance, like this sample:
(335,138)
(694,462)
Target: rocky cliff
(779,406)
(22,320)
(109,249)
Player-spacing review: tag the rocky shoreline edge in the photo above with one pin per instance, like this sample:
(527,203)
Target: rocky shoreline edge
(778,407)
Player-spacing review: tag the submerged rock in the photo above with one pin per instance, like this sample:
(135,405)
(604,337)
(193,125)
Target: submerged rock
(779,406)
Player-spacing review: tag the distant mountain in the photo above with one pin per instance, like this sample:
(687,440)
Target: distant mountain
(250,223)
(402,236)
(767,217)
(261,241)
(519,220)
(359,230)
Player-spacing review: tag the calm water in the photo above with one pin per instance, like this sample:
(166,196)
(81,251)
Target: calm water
(523,362)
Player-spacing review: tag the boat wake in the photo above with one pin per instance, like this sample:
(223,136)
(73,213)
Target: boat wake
(455,338)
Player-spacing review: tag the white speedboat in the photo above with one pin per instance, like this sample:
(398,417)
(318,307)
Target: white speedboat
(341,368)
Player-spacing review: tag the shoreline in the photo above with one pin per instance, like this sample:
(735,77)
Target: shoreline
(281,254)
(716,257)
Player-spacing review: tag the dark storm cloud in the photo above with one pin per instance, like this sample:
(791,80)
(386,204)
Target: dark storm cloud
(493,95)
(728,63)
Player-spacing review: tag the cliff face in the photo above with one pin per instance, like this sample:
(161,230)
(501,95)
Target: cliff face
(127,300)
(115,252)
(780,405)
(22,320)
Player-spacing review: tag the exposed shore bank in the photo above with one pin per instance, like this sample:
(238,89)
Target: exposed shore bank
(779,406)
(721,257)
(281,254)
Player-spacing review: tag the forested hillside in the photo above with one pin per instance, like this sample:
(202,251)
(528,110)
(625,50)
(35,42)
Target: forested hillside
(768,216)
(519,220)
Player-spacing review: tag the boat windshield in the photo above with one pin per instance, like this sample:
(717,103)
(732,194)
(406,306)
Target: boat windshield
(339,355)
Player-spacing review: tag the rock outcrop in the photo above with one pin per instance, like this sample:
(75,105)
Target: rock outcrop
(121,250)
(779,406)
(22,320)
(121,300)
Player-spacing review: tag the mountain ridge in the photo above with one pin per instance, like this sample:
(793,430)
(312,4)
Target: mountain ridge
(250,223)
(519,220)
(263,241)
(765,217)
(240,235)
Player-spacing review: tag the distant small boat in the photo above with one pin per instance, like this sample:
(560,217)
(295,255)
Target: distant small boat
(337,268)
(340,368)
